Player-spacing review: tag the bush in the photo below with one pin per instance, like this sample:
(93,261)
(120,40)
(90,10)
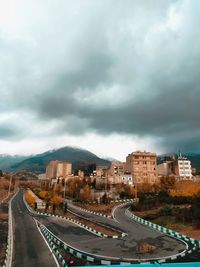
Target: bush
(166,210)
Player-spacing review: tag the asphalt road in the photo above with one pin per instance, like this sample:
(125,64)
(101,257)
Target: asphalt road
(30,248)
(122,248)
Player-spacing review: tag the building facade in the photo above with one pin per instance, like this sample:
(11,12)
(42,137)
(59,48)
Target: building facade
(142,166)
(165,168)
(58,169)
(183,168)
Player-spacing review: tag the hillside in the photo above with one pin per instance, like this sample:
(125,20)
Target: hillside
(6,161)
(78,157)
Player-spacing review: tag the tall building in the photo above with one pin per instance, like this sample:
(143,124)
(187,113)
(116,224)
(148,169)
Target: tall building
(51,169)
(64,169)
(116,174)
(116,168)
(165,168)
(58,169)
(183,168)
(142,166)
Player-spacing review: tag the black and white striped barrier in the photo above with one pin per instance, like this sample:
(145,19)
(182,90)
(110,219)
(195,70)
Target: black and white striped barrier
(129,200)
(121,234)
(191,244)
(103,214)
(94,212)
(96,259)
(52,245)
(89,229)
(52,239)
(112,201)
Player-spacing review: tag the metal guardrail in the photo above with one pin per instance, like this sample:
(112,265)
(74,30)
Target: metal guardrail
(191,244)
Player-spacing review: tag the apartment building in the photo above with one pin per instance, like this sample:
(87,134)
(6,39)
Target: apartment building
(165,168)
(183,168)
(58,169)
(51,169)
(142,166)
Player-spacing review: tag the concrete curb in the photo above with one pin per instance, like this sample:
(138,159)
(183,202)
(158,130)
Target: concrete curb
(87,228)
(129,200)
(121,234)
(102,260)
(103,214)
(191,244)
(52,239)
(94,212)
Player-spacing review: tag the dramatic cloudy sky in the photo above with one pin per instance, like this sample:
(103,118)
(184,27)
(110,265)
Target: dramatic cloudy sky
(111,76)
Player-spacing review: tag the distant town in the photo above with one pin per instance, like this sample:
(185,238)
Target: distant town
(139,168)
(71,202)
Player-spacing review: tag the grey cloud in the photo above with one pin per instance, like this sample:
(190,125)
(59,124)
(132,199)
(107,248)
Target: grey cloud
(7,132)
(67,75)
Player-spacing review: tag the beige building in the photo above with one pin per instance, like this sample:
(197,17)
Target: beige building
(64,169)
(116,168)
(165,168)
(58,169)
(42,176)
(116,174)
(142,166)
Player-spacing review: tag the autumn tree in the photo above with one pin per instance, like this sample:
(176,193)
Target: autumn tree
(85,193)
(43,194)
(56,199)
(29,198)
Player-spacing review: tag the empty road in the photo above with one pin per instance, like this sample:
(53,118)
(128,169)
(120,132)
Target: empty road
(30,248)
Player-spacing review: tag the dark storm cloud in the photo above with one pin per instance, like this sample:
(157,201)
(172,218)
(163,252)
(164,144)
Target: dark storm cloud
(101,67)
(7,132)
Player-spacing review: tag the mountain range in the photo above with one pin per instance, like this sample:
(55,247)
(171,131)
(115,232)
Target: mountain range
(79,158)
(37,163)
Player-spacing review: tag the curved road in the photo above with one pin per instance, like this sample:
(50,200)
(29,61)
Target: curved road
(122,248)
(30,249)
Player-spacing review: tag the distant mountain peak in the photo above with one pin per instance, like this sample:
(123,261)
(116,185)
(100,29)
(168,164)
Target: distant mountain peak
(77,156)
